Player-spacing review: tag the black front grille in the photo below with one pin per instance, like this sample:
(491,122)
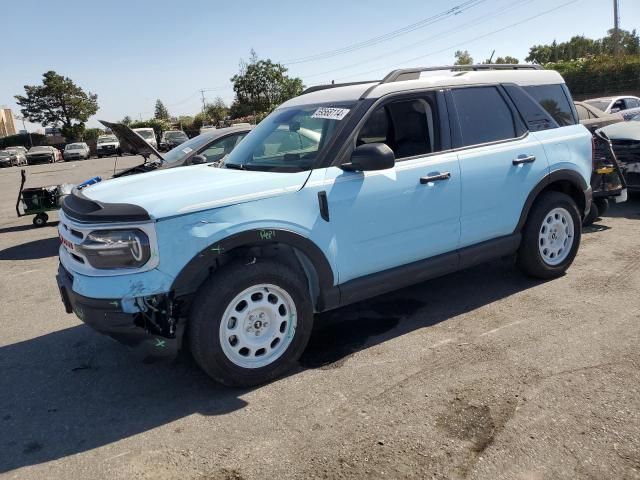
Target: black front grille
(627,150)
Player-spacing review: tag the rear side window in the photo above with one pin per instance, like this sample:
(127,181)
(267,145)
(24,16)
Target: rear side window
(484,115)
(554,100)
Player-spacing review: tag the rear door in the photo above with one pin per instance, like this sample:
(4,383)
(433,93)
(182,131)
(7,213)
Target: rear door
(500,162)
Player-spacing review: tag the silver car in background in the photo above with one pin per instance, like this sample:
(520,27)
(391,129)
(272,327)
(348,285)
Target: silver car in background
(76,151)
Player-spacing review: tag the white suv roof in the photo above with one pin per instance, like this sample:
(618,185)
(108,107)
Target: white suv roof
(400,80)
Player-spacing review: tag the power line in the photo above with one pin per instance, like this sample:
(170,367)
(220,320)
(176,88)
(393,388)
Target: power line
(456,10)
(386,68)
(456,29)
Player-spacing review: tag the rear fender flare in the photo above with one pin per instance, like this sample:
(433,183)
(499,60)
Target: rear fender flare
(571,176)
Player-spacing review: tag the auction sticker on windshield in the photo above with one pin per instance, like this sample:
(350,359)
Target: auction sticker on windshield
(330,113)
(187,150)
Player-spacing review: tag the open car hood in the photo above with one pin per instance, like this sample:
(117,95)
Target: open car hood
(131,141)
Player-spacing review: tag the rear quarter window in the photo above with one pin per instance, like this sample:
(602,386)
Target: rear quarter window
(555,101)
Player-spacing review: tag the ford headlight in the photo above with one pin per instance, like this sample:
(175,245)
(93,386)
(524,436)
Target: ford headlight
(109,249)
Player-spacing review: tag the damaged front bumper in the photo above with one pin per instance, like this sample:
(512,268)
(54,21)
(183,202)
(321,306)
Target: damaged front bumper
(154,331)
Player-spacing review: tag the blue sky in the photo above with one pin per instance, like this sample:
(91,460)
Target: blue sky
(132,52)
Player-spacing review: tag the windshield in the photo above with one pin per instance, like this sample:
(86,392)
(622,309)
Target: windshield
(174,135)
(74,146)
(39,149)
(146,134)
(182,151)
(635,118)
(599,104)
(288,140)
(109,139)
(5,154)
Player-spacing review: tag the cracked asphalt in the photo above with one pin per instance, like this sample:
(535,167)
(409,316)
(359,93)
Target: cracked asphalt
(483,374)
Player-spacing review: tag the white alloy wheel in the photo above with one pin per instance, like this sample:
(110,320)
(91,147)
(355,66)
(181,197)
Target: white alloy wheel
(258,326)
(556,236)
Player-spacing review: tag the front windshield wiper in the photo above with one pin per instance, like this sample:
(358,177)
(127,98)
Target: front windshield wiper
(235,166)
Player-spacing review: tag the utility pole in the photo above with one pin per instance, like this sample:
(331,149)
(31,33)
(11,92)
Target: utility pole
(203,101)
(24,127)
(616,29)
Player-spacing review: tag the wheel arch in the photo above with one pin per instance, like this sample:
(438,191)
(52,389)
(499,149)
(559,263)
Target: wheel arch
(288,246)
(566,181)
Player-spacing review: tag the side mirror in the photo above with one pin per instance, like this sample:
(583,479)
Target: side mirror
(370,156)
(198,160)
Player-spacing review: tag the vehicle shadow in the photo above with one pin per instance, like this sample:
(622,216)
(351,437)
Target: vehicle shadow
(43,248)
(74,390)
(629,209)
(23,228)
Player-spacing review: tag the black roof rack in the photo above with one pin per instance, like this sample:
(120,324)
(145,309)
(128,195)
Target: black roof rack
(317,88)
(414,73)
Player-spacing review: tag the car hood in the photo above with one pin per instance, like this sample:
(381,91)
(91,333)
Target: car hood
(130,140)
(622,131)
(177,191)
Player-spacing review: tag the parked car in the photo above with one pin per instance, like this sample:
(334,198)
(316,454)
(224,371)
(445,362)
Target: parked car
(107,145)
(405,179)
(594,118)
(43,154)
(148,135)
(12,157)
(607,179)
(625,138)
(627,105)
(76,151)
(209,147)
(171,139)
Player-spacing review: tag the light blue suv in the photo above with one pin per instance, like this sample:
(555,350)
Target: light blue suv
(341,194)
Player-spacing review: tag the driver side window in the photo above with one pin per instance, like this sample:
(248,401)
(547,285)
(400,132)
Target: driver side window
(408,127)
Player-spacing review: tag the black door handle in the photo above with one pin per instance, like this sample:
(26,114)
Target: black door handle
(524,159)
(435,178)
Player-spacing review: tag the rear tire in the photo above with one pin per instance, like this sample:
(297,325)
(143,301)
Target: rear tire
(250,322)
(592,216)
(551,236)
(603,206)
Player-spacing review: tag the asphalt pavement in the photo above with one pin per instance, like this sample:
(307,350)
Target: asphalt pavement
(483,374)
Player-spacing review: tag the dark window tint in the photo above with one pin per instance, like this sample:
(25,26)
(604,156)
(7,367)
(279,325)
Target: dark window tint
(553,100)
(405,126)
(483,114)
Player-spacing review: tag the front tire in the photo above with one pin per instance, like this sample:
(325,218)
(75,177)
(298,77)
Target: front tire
(250,322)
(551,236)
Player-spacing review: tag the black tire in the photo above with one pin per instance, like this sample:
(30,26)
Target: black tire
(529,258)
(603,206)
(40,220)
(209,306)
(592,216)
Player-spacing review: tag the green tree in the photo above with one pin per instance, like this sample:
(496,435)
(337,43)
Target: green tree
(161,112)
(126,120)
(92,134)
(262,85)
(58,101)
(216,111)
(463,58)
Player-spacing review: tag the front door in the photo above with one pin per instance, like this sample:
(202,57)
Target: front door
(388,218)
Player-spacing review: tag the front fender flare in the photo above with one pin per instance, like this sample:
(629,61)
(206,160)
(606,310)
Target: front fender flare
(191,275)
